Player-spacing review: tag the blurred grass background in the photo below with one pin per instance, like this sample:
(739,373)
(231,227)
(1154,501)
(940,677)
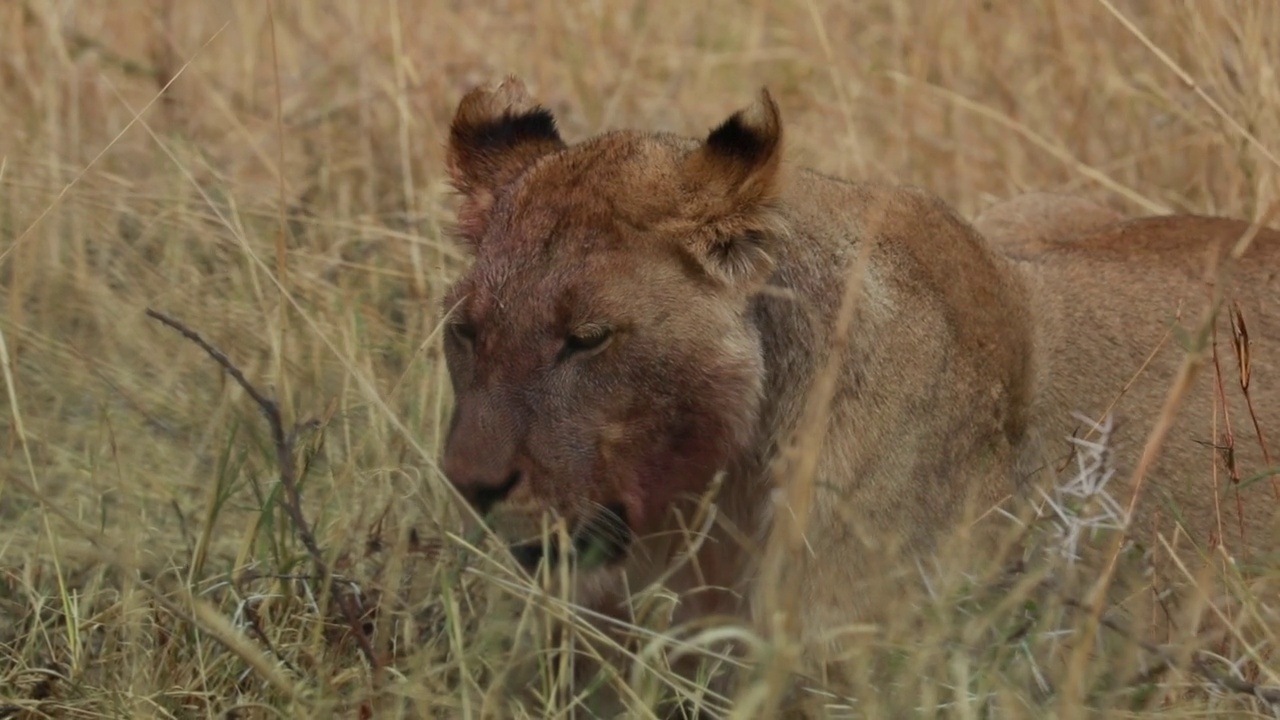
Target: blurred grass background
(271,174)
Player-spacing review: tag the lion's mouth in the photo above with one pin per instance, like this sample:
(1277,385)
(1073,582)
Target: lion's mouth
(602,539)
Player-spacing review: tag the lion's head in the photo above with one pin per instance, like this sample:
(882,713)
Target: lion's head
(601,349)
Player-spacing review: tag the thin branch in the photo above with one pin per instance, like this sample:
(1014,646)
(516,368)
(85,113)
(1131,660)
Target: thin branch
(284,447)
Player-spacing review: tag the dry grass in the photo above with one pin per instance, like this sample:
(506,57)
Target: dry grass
(270,173)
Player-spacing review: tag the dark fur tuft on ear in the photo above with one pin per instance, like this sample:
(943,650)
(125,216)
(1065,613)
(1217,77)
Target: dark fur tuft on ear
(732,182)
(737,141)
(495,135)
(487,138)
(739,159)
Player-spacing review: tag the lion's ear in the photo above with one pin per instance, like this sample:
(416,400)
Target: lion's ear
(734,177)
(494,136)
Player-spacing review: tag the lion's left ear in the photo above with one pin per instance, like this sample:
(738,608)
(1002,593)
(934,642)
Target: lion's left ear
(733,182)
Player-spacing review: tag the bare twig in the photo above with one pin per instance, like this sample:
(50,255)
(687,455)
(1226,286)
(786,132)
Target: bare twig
(1199,665)
(254,622)
(284,447)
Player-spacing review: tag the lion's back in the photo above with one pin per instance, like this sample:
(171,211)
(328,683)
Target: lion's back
(1117,311)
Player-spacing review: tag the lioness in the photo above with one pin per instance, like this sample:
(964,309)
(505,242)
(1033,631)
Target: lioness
(645,311)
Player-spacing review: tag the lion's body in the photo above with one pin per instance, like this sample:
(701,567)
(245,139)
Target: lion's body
(719,274)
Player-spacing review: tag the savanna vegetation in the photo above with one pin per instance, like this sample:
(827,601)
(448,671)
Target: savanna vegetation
(269,176)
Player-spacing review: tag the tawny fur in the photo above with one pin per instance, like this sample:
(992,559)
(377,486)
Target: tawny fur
(722,268)
(1025,223)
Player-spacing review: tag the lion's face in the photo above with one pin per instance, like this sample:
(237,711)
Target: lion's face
(602,356)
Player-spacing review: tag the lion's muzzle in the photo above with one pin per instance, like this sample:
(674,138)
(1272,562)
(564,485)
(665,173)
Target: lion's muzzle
(600,540)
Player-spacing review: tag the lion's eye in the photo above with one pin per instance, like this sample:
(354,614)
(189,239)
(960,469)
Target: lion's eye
(587,338)
(462,332)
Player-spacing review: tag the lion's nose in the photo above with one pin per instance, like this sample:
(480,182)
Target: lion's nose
(484,493)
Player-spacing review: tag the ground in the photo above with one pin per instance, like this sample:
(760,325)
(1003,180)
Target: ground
(270,175)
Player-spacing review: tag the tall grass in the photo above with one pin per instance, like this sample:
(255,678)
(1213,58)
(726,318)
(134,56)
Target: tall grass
(271,174)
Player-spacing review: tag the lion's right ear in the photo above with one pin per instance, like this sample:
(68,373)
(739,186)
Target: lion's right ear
(733,182)
(494,136)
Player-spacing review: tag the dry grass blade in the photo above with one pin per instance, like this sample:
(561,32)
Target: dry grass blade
(101,153)
(1190,82)
(1061,154)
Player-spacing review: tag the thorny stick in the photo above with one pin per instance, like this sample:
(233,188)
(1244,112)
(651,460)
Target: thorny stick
(284,456)
(1199,665)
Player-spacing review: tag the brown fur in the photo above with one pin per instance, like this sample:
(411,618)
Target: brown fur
(1026,223)
(719,270)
